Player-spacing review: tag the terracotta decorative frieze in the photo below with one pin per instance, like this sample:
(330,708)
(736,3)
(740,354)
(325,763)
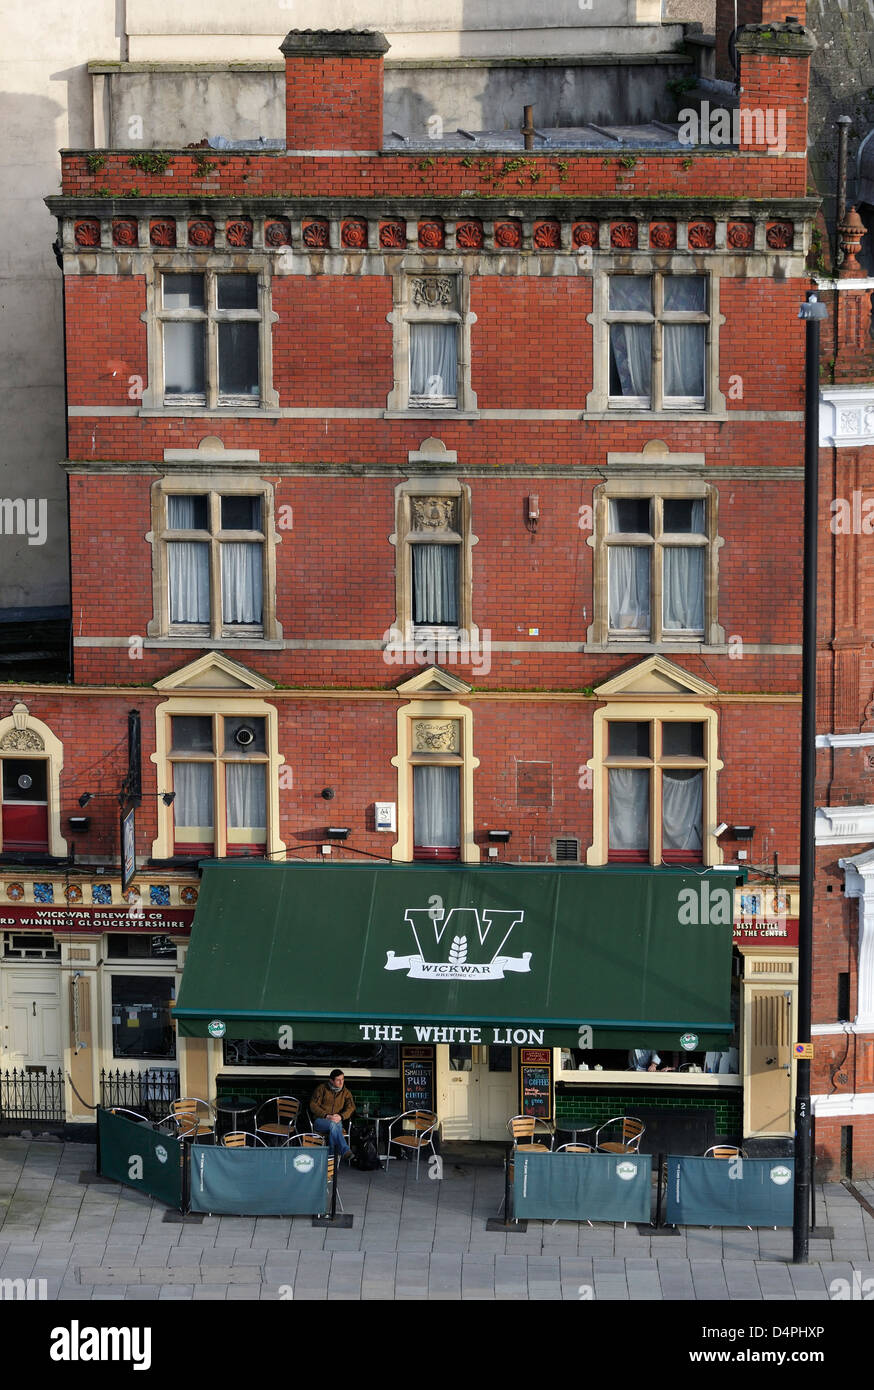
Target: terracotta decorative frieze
(623,235)
(238,231)
(508,235)
(201,232)
(663,235)
(162,232)
(277,232)
(469,235)
(124,231)
(585,233)
(431,235)
(15,892)
(393,234)
(547,235)
(702,235)
(741,235)
(316,233)
(87,232)
(73,893)
(780,235)
(188,895)
(353,233)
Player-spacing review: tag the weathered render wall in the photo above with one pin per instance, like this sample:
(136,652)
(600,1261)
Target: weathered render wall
(151,105)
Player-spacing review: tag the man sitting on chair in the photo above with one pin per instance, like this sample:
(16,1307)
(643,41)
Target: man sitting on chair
(331,1104)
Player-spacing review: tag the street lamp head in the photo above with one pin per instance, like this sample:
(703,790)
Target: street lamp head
(813,308)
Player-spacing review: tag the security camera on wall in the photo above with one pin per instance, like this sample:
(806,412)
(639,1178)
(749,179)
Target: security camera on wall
(721,828)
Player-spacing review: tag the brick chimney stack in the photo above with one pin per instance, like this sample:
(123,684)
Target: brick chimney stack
(333,89)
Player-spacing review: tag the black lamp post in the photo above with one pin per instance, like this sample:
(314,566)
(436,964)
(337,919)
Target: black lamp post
(813,313)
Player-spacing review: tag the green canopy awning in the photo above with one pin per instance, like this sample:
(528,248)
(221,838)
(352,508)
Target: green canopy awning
(416,953)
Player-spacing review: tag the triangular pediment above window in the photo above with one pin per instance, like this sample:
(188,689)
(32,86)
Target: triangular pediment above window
(655,676)
(433,680)
(213,672)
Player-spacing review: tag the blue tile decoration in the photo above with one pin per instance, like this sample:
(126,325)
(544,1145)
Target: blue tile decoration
(101,893)
(43,893)
(159,895)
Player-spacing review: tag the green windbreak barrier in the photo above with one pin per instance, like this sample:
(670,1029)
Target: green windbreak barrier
(410,953)
(582,1187)
(730,1192)
(141,1157)
(259,1182)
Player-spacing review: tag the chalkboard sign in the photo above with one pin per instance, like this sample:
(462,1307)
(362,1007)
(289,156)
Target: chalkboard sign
(535,1082)
(417,1078)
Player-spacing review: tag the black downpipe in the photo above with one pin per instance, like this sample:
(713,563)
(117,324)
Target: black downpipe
(813,312)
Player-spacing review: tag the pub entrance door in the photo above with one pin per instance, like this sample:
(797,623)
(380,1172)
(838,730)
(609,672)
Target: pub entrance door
(477,1088)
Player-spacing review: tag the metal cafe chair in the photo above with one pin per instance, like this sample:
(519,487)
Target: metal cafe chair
(332,1163)
(624,1141)
(424,1123)
(185,1117)
(522,1128)
(347,1127)
(306,1140)
(242,1139)
(284,1111)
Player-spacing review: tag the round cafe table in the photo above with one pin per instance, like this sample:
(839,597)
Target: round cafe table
(573,1129)
(235,1113)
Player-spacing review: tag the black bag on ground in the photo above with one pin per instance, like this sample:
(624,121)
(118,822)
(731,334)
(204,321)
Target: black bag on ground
(364,1151)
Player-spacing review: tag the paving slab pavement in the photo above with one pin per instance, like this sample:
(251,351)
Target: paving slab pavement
(410,1241)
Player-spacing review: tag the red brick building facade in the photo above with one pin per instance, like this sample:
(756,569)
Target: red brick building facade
(441,478)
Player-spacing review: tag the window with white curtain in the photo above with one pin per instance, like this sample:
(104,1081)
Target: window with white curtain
(215,563)
(434,546)
(218,771)
(436,812)
(655,788)
(657,319)
(657,551)
(210,327)
(433,323)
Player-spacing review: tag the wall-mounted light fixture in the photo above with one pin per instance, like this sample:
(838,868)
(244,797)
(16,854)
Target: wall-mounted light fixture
(742,832)
(328,793)
(337,832)
(502,836)
(532,511)
(79,822)
(167,797)
(85,798)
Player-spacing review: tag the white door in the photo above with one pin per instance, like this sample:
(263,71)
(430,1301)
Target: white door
(477,1090)
(31,1032)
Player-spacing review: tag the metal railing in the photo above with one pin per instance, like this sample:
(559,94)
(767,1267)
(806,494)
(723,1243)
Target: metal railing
(32,1095)
(148,1092)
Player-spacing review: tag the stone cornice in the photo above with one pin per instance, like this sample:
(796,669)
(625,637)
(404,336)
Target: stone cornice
(846,417)
(411,205)
(331,43)
(784,40)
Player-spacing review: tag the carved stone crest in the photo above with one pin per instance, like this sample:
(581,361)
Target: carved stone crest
(435,736)
(434,291)
(433,513)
